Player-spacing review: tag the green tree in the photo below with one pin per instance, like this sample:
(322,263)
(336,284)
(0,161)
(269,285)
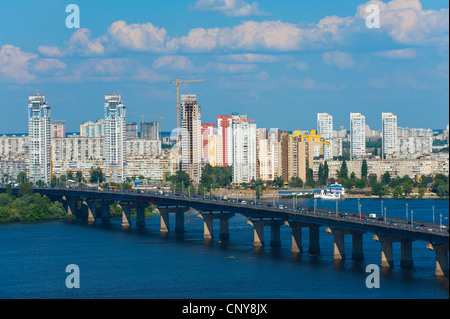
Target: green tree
(310,182)
(70,175)
(181,180)
(96,175)
(379,189)
(343,172)
(278,182)
(326,172)
(386,178)
(25,189)
(422,191)
(364,169)
(440,185)
(216,175)
(79,176)
(296,182)
(372,178)
(9,190)
(21,178)
(397,191)
(323,174)
(361,183)
(320,175)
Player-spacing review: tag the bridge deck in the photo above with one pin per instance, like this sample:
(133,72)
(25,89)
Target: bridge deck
(348,220)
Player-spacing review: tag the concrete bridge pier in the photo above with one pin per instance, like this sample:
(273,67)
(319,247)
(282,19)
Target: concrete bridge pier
(441,251)
(357,245)
(258,226)
(387,259)
(339,246)
(339,249)
(296,227)
(140,214)
(406,260)
(126,219)
(106,211)
(258,232)
(91,207)
(314,245)
(70,204)
(208,219)
(179,218)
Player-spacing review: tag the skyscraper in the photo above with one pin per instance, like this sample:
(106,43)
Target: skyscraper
(115,130)
(131,131)
(244,149)
(325,128)
(191,137)
(224,140)
(150,130)
(389,135)
(357,135)
(39,139)
(208,143)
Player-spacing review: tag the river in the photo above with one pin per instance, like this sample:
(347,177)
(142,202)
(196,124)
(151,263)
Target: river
(116,263)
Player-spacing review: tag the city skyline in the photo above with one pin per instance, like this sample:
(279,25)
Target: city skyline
(305,59)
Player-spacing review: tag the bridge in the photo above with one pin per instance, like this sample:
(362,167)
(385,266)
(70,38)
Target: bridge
(93,204)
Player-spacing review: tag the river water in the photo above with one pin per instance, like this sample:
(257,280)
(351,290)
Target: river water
(116,263)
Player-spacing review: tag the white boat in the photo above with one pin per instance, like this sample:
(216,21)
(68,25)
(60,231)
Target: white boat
(327,195)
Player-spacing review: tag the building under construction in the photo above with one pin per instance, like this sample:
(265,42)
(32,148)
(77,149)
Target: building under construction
(191,137)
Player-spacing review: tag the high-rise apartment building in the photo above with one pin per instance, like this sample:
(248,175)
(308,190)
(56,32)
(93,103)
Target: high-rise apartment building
(115,129)
(325,128)
(150,130)
(191,137)
(296,156)
(244,149)
(357,135)
(131,131)
(91,129)
(58,130)
(268,155)
(208,143)
(389,135)
(39,139)
(224,140)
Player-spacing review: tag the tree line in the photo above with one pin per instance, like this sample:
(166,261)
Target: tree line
(28,206)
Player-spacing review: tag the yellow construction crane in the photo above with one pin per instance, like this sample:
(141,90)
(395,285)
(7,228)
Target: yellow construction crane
(113,170)
(178,82)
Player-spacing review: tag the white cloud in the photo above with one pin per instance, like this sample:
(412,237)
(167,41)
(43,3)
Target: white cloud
(405,21)
(197,40)
(308,84)
(80,43)
(249,58)
(173,62)
(14,64)
(219,67)
(400,54)
(231,8)
(301,66)
(408,23)
(47,65)
(340,59)
(138,36)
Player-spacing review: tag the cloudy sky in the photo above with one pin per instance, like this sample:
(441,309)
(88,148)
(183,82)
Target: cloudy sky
(281,62)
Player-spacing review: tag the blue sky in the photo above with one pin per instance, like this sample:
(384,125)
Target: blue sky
(280,62)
